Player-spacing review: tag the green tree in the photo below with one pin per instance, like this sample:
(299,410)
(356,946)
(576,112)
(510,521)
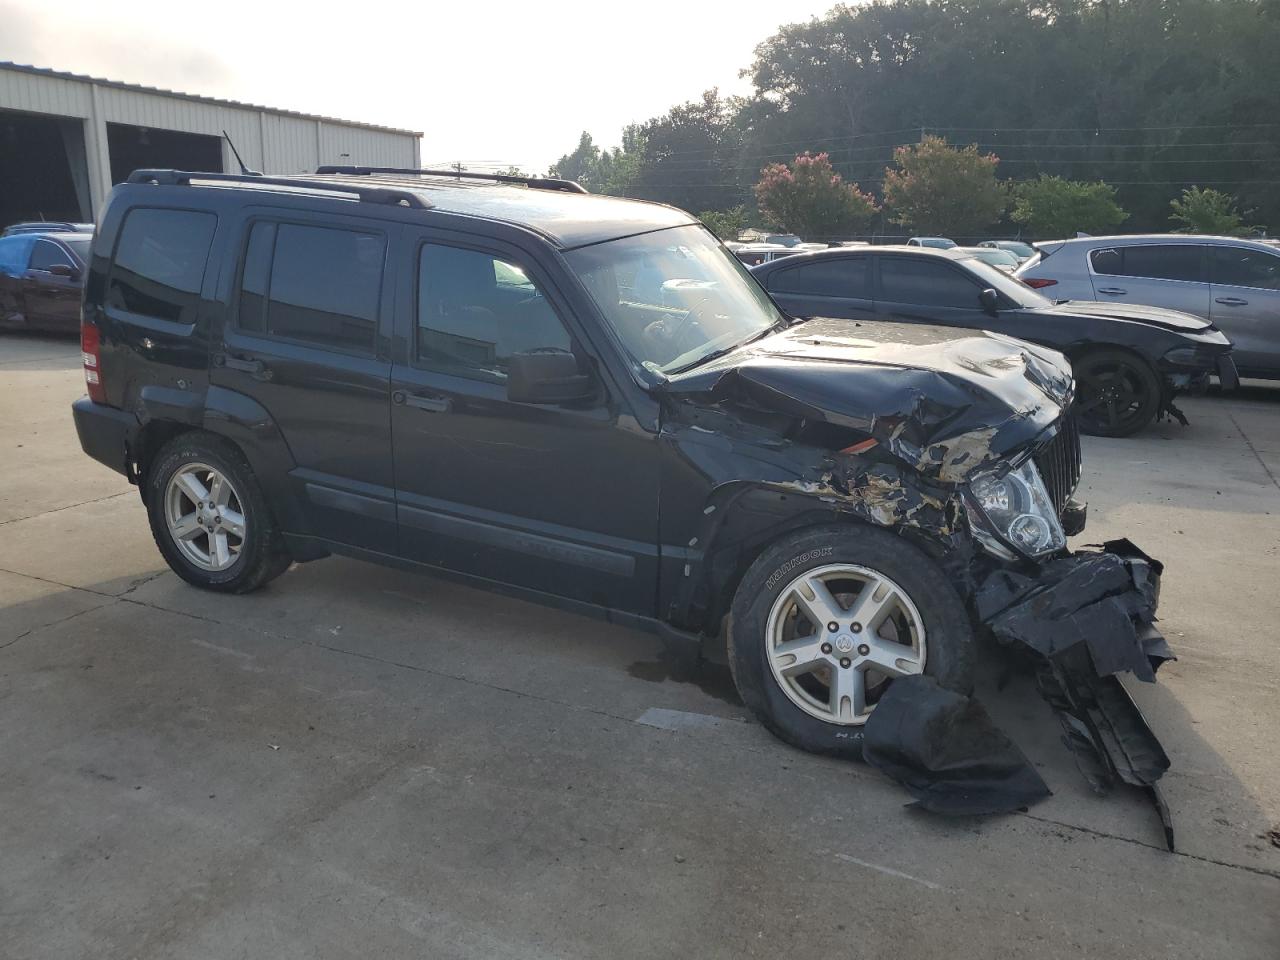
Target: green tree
(725,224)
(944,190)
(1051,207)
(809,198)
(602,171)
(1159,90)
(688,156)
(1208,211)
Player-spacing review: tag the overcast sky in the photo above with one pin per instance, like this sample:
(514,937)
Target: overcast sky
(494,82)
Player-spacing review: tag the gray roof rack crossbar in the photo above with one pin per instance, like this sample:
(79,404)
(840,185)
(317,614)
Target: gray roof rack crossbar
(366,194)
(538,183)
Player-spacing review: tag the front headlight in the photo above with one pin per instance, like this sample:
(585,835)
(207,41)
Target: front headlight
(1016,507)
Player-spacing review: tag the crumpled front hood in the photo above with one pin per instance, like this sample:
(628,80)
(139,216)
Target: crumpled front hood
(944,400)
(1161,317)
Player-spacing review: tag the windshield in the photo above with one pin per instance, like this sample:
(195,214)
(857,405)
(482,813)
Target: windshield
(1006,283)
(939,243)
(674,297)
(1018,248)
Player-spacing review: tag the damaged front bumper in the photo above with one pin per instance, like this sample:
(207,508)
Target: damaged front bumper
(1085,618)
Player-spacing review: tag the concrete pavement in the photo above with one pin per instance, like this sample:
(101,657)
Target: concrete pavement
(363,762)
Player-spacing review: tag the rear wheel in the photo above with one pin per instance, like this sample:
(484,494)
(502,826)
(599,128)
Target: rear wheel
(209,517)
(825,620)
(1119,393)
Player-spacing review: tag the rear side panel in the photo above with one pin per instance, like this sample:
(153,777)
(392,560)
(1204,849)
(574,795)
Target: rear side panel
(150,293)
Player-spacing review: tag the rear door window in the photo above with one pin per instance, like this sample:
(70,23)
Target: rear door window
(1239,267)
(320,285)
(1183,261)
(159,263)
(844,277)
(932,283)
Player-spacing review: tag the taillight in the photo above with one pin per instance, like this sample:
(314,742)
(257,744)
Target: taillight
(1038,283)
(90,356)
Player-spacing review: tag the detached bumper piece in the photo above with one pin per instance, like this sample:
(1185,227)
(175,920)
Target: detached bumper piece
(943,747)
(1089,617)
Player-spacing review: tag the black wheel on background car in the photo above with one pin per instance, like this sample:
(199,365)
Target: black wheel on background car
(209,517)
(827,618)
(1118,393)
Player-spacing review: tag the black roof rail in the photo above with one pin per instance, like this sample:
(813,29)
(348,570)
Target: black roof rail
(366,194)
(538,183)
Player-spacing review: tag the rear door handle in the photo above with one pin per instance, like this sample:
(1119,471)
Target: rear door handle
(430,404)
(249,365)
(1232,302)
(1113,291)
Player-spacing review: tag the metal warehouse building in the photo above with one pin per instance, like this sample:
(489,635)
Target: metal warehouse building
(66,139)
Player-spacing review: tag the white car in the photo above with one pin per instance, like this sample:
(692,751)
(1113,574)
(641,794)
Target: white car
(1000,259)
(1233,283)
(1020,249)
(938,243)
(756,253)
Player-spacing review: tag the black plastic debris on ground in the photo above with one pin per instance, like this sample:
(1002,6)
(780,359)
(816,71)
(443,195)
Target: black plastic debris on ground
(1091,616)
(943,747)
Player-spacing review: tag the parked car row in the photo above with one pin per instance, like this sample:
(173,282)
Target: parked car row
(1232,283)
(1130,361)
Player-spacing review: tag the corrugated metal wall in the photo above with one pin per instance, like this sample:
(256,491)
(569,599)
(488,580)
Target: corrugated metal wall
(271,141)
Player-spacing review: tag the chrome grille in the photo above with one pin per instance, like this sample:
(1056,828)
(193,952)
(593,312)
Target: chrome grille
(1059,463)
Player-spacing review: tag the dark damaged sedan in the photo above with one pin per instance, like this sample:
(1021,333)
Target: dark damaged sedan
(1130,361)
(589,401)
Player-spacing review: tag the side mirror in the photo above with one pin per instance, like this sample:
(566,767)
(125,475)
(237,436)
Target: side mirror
(549,377)
(64,270)
(990,301)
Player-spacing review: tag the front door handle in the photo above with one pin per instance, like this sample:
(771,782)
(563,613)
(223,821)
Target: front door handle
(1232,302)
(1113,291)
(430,404)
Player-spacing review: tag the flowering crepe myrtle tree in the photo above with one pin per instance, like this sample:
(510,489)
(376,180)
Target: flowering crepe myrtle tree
(944,190)
(808,198)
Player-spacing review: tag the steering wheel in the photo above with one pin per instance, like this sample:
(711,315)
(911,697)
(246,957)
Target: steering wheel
(669,337)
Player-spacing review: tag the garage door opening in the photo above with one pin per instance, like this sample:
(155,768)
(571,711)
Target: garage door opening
(138,148)
(43,173)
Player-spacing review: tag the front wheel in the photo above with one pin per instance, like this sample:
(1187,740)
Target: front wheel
(1119,393)
(826,619)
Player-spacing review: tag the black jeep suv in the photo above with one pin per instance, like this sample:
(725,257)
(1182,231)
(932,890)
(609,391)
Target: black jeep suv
(576,398)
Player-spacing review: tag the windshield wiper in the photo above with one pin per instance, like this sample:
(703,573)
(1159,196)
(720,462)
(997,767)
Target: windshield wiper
(717,354)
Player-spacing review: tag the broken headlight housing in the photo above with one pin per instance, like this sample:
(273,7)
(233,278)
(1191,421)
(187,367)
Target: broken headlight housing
(1016,509)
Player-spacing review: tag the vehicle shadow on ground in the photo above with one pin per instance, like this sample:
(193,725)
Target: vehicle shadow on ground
(406,621)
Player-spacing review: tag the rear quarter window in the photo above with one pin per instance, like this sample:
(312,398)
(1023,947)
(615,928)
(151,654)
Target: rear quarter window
(159,263)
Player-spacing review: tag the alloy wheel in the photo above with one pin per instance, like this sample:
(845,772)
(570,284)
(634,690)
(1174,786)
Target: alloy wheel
(205,516)
(1112,396)
(837,636)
